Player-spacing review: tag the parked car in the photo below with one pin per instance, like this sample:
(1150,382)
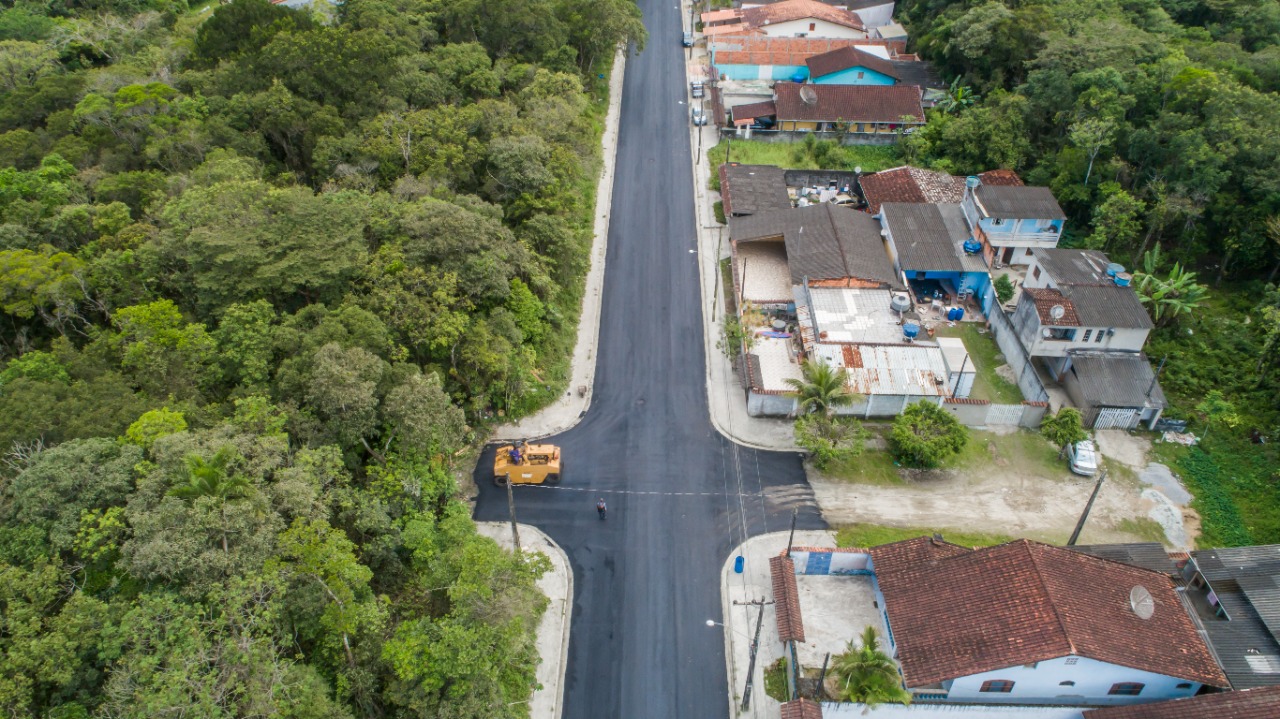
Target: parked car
(698,89)
(698,116)
(1083,457)
(688,40)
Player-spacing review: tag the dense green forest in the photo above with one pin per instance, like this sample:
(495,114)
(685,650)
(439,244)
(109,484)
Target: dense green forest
(262,274)
(1157,125)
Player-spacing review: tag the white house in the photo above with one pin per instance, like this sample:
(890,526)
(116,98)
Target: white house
(1029,623)
(874,13)
(791,18)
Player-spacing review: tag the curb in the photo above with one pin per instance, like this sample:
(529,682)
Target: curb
(584,351)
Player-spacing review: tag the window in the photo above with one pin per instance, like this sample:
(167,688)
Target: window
(999,686)
(1036,272)
(1184,685)
(1126,689)
(1099,336)
(1071,660)
(997,221)
(813,26)
(1067,683)
(861,75)
(1086,335)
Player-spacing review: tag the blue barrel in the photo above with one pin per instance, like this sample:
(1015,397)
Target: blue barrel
(910,330)
(958,312)
(738,561)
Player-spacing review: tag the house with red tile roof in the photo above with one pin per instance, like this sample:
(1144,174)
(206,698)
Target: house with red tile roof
(1029,623)
(863,109)
(791,18)
(1257,703)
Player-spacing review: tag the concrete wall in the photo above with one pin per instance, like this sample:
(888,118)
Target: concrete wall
(820,178)
(856,75)
(762,72)
(1041,683)
(770,405)
(981,413)
(824,561)
(1014,353)
(811,27)
(787,136)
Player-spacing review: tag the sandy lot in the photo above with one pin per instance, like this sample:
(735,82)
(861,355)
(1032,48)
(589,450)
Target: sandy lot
(1006,499)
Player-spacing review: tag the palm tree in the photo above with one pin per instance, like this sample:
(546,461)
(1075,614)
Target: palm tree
(867,674)
(822,389)
(208,478)
(958,97)
(1177,294)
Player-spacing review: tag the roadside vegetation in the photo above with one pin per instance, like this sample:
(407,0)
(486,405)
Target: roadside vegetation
(870,535)
(264,273)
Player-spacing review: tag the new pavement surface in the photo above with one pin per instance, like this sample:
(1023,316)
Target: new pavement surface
(680,496)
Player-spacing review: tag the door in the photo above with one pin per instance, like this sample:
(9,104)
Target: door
(1007,257)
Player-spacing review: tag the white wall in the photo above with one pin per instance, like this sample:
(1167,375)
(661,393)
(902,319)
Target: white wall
(822,28)
(877,15)
(1041,684)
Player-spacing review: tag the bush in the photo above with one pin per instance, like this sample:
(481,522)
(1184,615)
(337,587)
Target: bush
(1064,428)
(925,434)
(830,439)
(1004,289)
(1221,523)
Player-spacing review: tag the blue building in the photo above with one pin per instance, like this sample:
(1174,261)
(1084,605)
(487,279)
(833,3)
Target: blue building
(927,242)
(851,66)
(1011,221)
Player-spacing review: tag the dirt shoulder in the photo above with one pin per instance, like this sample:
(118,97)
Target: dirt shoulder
(1014,490)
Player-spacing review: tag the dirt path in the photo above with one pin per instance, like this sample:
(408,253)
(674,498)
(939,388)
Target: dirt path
(1006,499)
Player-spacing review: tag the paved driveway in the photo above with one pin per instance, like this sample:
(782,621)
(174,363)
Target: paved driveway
(680,495)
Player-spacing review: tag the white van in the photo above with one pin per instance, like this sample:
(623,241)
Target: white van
(1083,457)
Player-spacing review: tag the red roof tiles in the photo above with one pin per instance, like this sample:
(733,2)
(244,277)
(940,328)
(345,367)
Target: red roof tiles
(768,50)
(910,184)
(763,15)
(848,103)
(786,599)
(1046,299)
(1259,703)
(1024,602)
(801,709)
(848,57)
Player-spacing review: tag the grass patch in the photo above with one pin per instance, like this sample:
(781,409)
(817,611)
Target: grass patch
(775,680)
(983,351)
(1147,529)
(718,209)
(1024,449)
(871,535)
(798,156)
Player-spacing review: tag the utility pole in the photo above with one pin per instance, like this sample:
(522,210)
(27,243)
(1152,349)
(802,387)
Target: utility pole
(755,644)
(511,509)
(1088,506)
(792,536)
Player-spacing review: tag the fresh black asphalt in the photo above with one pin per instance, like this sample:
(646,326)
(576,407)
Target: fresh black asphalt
(680,495)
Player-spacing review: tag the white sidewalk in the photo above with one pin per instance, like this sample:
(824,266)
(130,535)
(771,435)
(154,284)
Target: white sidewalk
(725,395)
(740,619)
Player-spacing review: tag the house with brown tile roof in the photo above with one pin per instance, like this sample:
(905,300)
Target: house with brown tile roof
(790,18)
(1029,623)
(916,184)
(874,13)
(764,57)
(868,109)
(1258,703)
(851,66)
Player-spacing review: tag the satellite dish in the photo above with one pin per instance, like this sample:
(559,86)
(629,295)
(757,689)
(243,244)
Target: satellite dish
(1141,603)
(1057,312)
(1046,332)
(857,170)
(808,95)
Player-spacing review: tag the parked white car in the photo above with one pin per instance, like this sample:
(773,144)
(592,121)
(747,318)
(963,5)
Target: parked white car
(1083,457)
(697,116)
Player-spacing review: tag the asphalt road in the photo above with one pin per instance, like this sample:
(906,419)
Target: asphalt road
(680,495)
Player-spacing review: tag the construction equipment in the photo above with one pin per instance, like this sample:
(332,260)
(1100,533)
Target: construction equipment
(523,463)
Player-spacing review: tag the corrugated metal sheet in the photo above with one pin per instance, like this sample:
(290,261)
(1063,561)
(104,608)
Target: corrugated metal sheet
(1018,202)
(1115,379)
(930,237)
(890,369)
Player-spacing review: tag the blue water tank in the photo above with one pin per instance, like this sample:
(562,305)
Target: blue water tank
(1114,269)
(799,77)
(972,246)
(910,330)
(738,561)
(1123,279)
